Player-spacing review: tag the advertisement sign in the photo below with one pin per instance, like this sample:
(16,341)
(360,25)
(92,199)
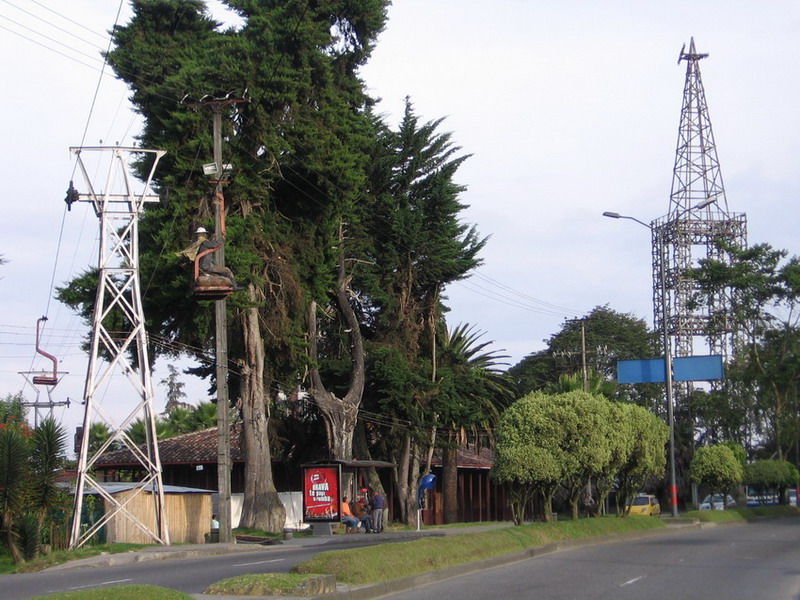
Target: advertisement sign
(321,493)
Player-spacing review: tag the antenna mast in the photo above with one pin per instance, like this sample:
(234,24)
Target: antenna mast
(698,219)
(119,352)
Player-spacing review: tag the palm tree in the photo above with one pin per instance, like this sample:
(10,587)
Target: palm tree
(204,416)
(137,431)
(472,391)
(98,434)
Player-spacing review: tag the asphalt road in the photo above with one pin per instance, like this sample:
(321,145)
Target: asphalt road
(748,562)
(190,575)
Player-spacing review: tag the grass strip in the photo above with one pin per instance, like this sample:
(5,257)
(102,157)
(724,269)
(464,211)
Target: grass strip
(744,513)
(58,557)
(361,566)
(120,592)
(259,584)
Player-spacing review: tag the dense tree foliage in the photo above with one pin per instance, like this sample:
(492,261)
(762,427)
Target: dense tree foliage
(607,336)
(763,287)
(769,476)
(345,230)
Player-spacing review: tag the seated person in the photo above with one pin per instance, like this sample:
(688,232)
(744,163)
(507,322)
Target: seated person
(361,512)
(203,242)
(350,522)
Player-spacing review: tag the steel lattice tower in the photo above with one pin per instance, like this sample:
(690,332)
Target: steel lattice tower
(119,353)
(697,220)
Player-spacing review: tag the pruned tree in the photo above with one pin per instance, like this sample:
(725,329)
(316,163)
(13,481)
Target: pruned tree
(646,459)
(717,468)
(570,431)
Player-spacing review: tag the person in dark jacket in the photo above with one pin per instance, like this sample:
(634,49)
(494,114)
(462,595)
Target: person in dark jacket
(378,504)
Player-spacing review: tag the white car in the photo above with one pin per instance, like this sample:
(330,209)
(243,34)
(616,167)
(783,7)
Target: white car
(716,503)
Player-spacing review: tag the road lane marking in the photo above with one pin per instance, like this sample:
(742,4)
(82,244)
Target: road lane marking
(260,562)
(81,587)
(634,580)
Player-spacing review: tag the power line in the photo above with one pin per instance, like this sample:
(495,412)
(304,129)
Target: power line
(43,20)
(81,25)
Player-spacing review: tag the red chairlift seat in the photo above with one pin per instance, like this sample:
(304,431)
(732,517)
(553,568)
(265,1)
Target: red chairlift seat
(209,287)
(45,379)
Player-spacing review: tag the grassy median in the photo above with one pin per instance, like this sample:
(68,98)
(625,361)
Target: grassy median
(745,513)
(359,566)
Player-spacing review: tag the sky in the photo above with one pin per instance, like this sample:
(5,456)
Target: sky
(568,109)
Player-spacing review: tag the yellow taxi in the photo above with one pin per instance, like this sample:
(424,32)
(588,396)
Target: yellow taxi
(644,504)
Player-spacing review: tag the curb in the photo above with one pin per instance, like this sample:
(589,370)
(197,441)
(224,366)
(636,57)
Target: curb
(126,558)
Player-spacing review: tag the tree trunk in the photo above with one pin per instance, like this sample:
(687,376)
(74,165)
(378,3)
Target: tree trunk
(11,542)
(407,478)
(362,452)
(413,473)
(402,459)
(340,414)
(450,483)
(262,508)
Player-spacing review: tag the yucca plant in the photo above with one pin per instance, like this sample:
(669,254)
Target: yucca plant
(13,486)
(46,458)
(28,531)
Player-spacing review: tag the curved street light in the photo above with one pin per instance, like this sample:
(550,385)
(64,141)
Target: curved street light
(655,231)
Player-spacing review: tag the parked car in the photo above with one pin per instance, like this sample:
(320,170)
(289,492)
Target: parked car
(644,504)
(716,502)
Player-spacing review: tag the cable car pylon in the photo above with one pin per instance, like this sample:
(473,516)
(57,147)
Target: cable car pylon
(119,352)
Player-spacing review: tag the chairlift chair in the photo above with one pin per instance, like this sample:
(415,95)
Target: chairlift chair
(209,287)
(45,379)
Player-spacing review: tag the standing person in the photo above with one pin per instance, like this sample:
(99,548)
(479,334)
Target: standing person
(588,504)
(378,504)
(214,523)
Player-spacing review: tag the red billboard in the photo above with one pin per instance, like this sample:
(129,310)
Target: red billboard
(321,497)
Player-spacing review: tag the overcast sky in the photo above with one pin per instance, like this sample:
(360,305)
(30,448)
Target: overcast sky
(568,108)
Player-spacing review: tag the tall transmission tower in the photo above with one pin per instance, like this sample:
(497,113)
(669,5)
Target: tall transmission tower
(116,353)
(698,219)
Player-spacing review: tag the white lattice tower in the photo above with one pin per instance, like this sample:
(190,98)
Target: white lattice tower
(119,355)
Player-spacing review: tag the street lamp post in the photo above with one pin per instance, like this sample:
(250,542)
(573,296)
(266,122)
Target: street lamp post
(658,235)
